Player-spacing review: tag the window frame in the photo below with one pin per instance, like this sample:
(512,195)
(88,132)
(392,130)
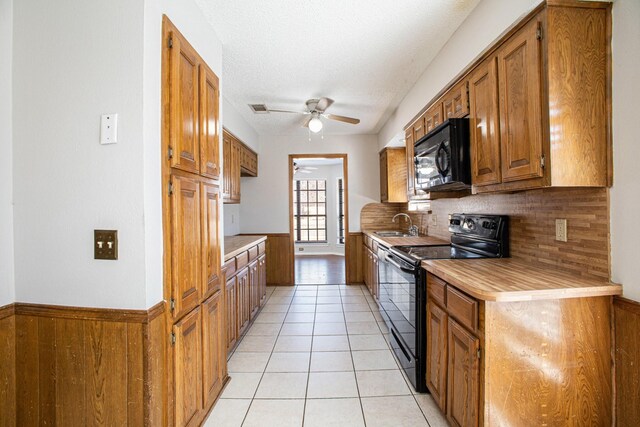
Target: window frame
(298,215)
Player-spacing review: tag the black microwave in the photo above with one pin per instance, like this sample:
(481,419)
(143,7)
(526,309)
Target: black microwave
(442,158)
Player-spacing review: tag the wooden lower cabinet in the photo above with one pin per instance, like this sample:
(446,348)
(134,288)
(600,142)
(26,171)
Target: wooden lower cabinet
(214,348)
(463,376)
(254,288)
(370,271)
(244,300)
(187,369)
(437,354)
(231,312)
(262,281)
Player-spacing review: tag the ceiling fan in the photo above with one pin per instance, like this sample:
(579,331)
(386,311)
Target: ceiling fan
(316,108)
(303,169)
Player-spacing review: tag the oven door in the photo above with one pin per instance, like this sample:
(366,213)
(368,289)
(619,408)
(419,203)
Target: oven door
(402,307)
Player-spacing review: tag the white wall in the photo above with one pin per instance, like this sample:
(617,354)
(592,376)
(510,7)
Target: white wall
(483,25)
(330,173)
(232,217)
(237,125)
(265,206)
(191,22)
(73,61)
(7,285)
(625,195)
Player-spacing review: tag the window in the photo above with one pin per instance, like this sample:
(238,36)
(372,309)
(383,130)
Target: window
(340,212)
(310,211)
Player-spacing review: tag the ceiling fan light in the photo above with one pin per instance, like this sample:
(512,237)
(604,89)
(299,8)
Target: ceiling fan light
(315,125)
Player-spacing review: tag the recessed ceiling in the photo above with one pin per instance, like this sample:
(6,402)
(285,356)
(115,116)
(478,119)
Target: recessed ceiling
(364,54)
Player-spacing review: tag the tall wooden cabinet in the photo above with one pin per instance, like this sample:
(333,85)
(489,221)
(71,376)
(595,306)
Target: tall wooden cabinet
(196,322)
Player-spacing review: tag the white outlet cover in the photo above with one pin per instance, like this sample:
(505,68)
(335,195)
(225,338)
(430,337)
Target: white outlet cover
(109,129)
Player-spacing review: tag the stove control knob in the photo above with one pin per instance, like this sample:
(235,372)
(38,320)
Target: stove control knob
(470,224)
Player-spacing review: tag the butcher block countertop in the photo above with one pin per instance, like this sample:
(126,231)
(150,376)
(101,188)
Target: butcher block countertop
(401,241)
(508,279)
(233,245)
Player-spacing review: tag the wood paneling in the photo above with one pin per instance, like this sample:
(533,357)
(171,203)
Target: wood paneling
(548,362)
(355,258)
(280,254)
(101,369)
(532,217)
(377,216)
(627,361)
(8,366)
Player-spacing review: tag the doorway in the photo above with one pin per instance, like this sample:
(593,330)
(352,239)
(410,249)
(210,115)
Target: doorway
(319,218)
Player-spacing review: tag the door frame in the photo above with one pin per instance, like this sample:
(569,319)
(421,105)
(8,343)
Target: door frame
(345,178)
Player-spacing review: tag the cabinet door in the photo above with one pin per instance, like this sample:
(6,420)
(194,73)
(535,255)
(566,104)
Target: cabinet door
(418,129)
(214,348)
(374,271)
(520,105)
(384,185)
(187,369)
(186,245)
(227,172)
(211,238)
(244,300)
(209,123)
(235,170)
(183,105)
(483,115)
(463,377)
(409,141)
(455,102)
(254,288)
(231,312)
(262,273)
(433,117)
(437,354)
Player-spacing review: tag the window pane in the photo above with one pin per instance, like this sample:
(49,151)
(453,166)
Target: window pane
(322,196)
(313,209)
(304,209)
(312,196)
(303,185)
(322,235)
(295,223)
(321,185)
(303,196)
(304,223)
(313,222)
(313,235)
(304,236)
(322,222)
(312,185)
(321,209)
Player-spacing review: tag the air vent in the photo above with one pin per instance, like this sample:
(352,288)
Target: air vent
(259,108)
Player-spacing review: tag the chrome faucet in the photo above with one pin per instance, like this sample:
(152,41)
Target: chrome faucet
(413,230)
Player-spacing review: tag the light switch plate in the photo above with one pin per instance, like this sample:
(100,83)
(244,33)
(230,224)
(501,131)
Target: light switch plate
(105,244)
(561,230)
(109,129)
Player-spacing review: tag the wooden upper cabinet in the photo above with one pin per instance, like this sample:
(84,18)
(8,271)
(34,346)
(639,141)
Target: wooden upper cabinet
(463,384)
(236,153)
(433,117)
(519,70)
(393,175)
(233,151)
(248,162)
(418,129)
(409,141)
(186,245)
(184,89)
(455,103)
(187,370)
(211,238)
(483,115)
(214,348)
(209,123)
(437,354)
(226,178)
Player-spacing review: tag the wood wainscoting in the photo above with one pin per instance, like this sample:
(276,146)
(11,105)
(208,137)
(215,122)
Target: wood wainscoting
(81,366)
(355,258)
(627,361)
(7,366)
(280,261)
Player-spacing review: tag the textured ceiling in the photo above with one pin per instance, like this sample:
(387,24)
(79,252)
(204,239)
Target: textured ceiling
(364,54)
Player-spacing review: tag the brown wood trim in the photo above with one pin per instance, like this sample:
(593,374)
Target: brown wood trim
(627,304)
(89,313)
(626,393)
(7,310)
(345,177)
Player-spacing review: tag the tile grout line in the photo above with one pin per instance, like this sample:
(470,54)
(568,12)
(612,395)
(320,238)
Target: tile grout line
(313,329)
(364,420)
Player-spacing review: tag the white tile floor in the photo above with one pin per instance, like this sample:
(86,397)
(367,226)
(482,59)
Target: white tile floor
(318,356)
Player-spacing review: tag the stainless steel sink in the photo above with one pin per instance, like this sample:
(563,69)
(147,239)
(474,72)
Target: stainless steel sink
(391,234)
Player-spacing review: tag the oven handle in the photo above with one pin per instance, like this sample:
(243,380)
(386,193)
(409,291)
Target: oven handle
(395,264)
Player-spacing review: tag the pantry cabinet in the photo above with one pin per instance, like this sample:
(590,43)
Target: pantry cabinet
(211,238)
(214,348)
(393,175)
(187,369)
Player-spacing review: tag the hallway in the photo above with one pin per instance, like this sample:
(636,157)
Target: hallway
(317,356)
(319,270)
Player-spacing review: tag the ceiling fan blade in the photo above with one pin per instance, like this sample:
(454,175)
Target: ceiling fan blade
(305,124)
(342,119)
(287,111)
(323,104)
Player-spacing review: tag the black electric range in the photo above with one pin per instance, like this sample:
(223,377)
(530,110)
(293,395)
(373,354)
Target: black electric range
(402,283)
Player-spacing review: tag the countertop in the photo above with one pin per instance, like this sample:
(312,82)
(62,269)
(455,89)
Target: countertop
(233,245)
(509,279)
(412,240)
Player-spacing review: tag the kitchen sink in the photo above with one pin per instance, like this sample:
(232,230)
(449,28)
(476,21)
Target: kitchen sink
(391,234)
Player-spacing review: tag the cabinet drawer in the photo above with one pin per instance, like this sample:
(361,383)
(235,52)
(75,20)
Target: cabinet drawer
(242,259)
(436,289)
(463,308)
(229,268)
(262,248)
(253,253)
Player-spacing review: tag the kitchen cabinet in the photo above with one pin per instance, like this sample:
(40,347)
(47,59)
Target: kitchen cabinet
(262,274)
(244,300)
(455,102)
(195,320)
(370,266)
(393,175)
(231,311)
(214,348)
(254,286)
(463,376)
(437,354)
(239,160)
(433,117)
(409,141)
